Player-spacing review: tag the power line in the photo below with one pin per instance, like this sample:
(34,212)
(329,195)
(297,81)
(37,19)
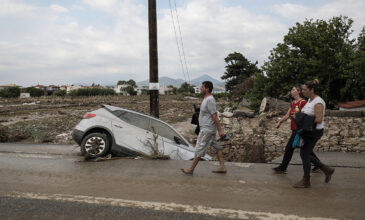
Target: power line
(177,42)
(182,43)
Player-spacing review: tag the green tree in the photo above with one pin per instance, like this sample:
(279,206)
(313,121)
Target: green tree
(258,92)
(34,92)
(60,93)
(130,82)
(186,88)
(238,69)
(130,90)
(10,92)
(121,82)
(314,49)
(174,89)
(355,83)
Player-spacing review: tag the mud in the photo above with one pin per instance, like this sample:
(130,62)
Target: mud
(52,119)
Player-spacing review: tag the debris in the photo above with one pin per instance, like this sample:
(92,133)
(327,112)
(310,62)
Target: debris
(32,103)
(190,98)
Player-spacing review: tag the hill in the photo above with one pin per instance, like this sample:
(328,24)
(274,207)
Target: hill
(177,82)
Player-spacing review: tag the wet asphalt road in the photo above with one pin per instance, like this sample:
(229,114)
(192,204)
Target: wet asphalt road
(20,208)
(48,181)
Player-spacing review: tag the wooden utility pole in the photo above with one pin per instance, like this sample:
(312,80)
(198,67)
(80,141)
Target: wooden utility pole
(154,86)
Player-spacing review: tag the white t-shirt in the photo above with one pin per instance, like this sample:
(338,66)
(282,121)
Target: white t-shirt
(207,109)
(309,109)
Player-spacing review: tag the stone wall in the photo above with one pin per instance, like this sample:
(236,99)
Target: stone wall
(257,139)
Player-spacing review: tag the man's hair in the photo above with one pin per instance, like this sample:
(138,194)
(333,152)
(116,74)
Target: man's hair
(208,85)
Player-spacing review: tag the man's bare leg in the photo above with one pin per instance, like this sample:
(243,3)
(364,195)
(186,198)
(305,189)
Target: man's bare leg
(222,167)
(191,169)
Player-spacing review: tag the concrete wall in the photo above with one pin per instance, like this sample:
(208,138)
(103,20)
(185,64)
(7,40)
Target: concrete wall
(257,140)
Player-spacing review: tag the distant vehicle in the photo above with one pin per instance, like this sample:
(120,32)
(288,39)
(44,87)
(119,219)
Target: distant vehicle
(123,132)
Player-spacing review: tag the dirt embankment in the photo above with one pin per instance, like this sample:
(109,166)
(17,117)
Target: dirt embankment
(51,119)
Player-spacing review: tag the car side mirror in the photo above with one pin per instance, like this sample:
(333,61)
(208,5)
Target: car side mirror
(177,140)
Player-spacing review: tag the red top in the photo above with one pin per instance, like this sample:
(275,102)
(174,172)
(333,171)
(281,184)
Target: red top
(301,103)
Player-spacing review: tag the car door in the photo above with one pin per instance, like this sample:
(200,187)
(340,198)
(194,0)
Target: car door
(170,142)
(131,130)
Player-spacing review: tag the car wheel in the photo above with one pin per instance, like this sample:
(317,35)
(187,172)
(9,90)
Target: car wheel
(95,145)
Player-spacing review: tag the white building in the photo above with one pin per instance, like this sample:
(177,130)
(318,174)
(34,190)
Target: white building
(25,95)
(72,87)
(164,90)
(196,90)
(119,89)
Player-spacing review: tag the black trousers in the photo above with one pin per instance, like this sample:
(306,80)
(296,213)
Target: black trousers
(310,139)
(289,150)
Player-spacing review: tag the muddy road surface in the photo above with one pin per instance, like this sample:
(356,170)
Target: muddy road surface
(51,181)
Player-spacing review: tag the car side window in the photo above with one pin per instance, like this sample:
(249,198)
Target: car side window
(137,120)
(165,131)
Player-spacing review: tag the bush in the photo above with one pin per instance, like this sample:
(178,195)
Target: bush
(130,90)
(10,92)
(92,92)
(34,92)
(220,95)
(60,93)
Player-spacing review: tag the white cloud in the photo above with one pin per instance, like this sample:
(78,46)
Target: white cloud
(351,8)
(211,31)
(104,5)
(11,8)
(58,8)
(293,11)
(109,40)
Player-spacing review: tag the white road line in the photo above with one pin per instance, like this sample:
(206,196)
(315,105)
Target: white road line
(158,206)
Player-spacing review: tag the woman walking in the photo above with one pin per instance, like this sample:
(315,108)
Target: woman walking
(315,107)
(295,106)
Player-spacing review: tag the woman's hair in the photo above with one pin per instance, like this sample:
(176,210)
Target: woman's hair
(313,84)
(299,89)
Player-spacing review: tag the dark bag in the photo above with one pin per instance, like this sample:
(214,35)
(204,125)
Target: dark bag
(195,119)
(304,122)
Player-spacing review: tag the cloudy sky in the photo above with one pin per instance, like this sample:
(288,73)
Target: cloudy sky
(103,41)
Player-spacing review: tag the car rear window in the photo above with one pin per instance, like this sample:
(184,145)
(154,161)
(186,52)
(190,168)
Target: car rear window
(137,120)
(146,123)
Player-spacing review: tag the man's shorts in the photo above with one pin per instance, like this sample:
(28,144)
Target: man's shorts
(206,139)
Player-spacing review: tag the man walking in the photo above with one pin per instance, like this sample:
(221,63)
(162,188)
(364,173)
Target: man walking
(209,124)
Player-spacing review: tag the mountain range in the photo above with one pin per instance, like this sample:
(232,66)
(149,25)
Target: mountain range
(165,81)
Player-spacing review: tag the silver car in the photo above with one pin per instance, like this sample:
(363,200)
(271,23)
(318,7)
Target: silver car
(119,131)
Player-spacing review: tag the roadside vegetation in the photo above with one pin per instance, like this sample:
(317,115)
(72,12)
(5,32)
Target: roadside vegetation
(312,49)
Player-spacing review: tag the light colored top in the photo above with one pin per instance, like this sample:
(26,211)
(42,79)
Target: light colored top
(207,109)
(309,109)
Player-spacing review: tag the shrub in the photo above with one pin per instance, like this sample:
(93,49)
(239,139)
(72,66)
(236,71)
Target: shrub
(92,92)
(34,92)
(10,92)
(60,93)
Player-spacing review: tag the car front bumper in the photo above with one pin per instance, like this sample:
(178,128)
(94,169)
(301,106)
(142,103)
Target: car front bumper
(77,136)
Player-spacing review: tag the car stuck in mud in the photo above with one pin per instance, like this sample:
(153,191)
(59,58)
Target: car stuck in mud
(123,132)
